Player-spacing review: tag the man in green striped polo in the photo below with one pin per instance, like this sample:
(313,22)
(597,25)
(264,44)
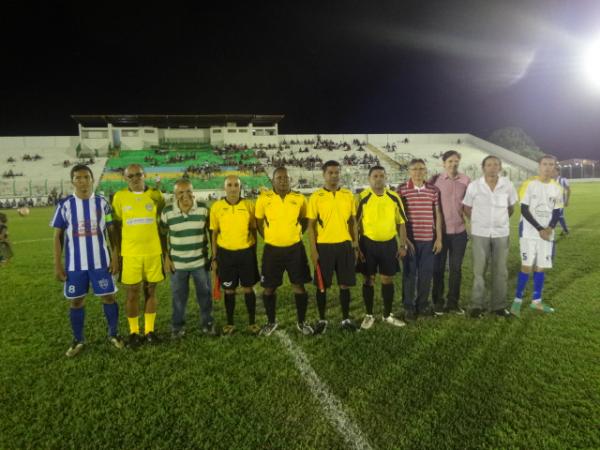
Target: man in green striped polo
(185,223)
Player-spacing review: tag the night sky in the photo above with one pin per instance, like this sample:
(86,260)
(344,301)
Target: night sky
(346,67)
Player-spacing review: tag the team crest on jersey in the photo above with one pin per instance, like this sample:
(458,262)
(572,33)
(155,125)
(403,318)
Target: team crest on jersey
(103,283)
(149,206)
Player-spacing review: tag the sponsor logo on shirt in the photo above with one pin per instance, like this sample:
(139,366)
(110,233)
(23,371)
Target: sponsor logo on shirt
(140,221)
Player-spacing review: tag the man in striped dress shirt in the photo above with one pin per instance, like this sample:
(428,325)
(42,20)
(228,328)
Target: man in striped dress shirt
(80,223)
(422,203)
(184,222)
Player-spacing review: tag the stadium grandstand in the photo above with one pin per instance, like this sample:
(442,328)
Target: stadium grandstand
(207,148)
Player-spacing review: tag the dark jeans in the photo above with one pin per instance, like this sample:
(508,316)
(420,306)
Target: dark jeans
(454,246)
(180,288)
(418,270)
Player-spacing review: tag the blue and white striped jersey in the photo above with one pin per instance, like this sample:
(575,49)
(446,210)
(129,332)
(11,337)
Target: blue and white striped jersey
(84,222)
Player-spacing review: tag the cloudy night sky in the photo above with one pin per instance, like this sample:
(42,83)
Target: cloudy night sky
(339,67)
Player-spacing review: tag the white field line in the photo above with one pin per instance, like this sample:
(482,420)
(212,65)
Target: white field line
(332,407)
(31,240)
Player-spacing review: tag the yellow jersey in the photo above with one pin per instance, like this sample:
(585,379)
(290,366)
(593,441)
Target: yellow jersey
(138,213)
(379,215)
(233,222)
(332,211)
(281,217)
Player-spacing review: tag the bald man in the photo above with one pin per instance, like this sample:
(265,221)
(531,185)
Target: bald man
(233,228)
(136,210)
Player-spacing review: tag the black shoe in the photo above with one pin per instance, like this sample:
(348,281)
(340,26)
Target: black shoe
(134,340)
(476,313)
(152,338)
(320,327)
(349,325)
(438,310)
(503,313)
(410,316)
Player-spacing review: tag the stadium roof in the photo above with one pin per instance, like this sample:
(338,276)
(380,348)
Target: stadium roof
(175,121)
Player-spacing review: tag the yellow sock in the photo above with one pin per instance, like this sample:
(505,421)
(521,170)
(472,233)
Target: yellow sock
(134,325)
(149,322)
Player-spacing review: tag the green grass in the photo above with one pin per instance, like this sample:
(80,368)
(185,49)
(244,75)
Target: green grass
(443,383)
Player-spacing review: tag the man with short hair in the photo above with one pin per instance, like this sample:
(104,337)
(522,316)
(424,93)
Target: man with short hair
(452,186)
(382,241)
(541,202)
(489,203)
(333,243)
(185,224)
(80,223)
(566,189)
(422,202)
(281,220)
(233,228)
(137,209)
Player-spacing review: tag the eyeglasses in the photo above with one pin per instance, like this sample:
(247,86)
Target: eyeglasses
(131,176)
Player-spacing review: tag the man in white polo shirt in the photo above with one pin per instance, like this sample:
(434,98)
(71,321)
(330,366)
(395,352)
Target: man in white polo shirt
(489,203)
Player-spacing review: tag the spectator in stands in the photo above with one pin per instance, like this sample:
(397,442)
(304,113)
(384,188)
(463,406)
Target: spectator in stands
(452,186)
(422,203)
(185,225)
(489,202)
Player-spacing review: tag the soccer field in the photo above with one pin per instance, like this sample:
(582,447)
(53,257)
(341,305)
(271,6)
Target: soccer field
(448,382)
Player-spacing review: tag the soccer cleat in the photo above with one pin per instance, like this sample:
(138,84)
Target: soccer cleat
(321,326)
(228,330)
(503,313)
(305,329)
(177,334)
(367,322)
(393,321)
(476,313)
(75,349)
(541,306)
(152,338)
(134,340)
(515,309)
(349,325)
(116,342)
(428,312)
(268,329)
(253,329)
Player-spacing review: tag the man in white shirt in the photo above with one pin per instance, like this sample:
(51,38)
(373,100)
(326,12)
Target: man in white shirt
(541,204)
(489,203)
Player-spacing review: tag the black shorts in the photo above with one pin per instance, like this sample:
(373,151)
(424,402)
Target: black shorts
(276,260)
(338,258)
(237,266)
(380,257)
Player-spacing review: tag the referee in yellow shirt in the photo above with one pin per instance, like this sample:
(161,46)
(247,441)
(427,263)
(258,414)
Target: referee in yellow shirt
(233,230)
(281,220)
(381,223)
(333,242)
(136,209)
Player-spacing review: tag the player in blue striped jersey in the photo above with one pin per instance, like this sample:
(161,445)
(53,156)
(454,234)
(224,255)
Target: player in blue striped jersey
(80,223)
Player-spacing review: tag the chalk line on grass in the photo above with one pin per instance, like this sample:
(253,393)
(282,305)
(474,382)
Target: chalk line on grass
(331,405)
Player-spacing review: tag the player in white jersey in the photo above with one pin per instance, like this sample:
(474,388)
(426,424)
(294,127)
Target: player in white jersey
(564,183)
(80,223)
(541,201)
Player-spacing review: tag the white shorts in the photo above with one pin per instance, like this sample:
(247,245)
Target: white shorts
(536,252)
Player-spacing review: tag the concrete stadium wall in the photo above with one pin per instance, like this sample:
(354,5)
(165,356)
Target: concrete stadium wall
(37,144)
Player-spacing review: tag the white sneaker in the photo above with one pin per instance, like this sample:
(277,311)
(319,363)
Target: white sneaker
(393,321)
(75,348)
(367,322)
